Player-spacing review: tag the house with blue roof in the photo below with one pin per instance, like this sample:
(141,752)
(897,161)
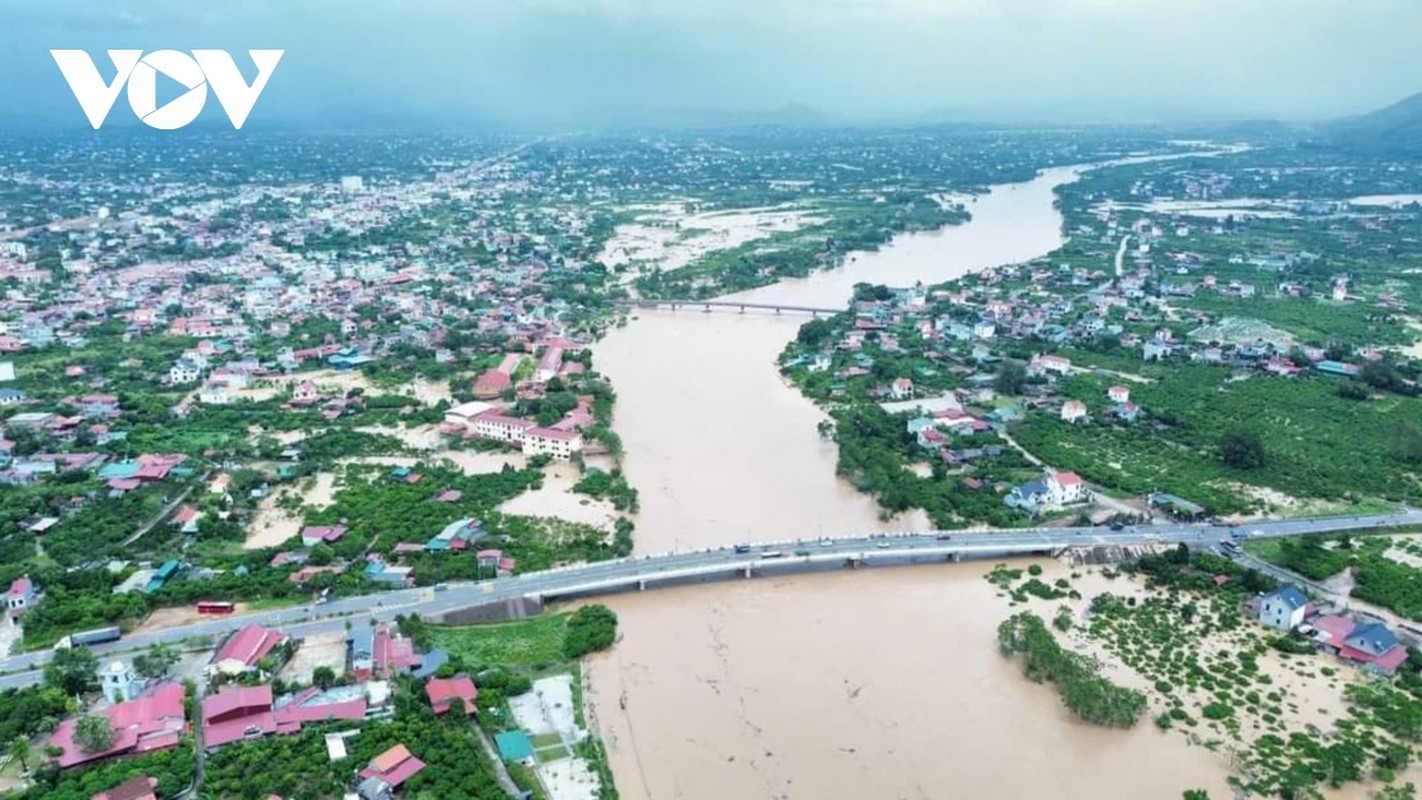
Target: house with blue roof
(1029,497)
(1284,609)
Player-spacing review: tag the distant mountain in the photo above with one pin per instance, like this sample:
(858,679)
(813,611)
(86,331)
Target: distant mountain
(1397,128)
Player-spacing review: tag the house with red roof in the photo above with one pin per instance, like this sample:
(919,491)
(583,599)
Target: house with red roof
(239,712)
(139,788)
(245,648)
(187,518)
(1064,488)
(313,534)
(387,772)
(152,721)
(443,691)
(19,598)
(246,712)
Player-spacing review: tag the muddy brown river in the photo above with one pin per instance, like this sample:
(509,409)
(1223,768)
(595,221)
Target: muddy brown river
(868,684)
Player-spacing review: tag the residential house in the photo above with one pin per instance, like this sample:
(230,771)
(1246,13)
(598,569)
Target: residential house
(443,691)
(9,397)
(1073,411)
(901,389)
(153,721)
(186,518)
(1119,394)
(1065,488)
(244,649)
(455,536)
(386,772)
(20,598)
(141,787)
(1375,647)
(379,652)
(184,371)
(311,535)
(1030,497)
(1127,412)
(1155,350)
(237,713)
(1283,609)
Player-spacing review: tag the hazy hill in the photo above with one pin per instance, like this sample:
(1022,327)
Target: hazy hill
(1397,128)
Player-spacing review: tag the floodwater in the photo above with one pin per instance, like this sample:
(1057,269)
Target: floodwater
(872,684)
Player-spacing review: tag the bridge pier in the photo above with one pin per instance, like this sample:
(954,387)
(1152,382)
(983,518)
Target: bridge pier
(642,585)
(748,572)
(777,311)
(743,309)
(855,562)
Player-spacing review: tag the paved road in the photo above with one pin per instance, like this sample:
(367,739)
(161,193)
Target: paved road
(626,573)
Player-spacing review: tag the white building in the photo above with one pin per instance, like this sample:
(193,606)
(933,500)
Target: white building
(119,682)
(352,183)
(493,425)
(184,372)
(1065,488)
(560,445)
(215,394)
(1073,410)
(1284,609)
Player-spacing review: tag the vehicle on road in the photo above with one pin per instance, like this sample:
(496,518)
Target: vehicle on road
(441,587)
(943,537)
(882,544)
(97,636)
(772,554)
(802,552)
(826,543)
(1116,526)
(742,548)
(215,607)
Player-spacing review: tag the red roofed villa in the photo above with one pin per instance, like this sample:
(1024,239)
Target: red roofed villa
(152,721)
(393,767)
(443,691)
(245,648)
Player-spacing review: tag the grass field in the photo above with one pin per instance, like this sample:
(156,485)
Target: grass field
(526,643)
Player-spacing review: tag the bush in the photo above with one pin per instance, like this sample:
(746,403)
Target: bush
(1216,711)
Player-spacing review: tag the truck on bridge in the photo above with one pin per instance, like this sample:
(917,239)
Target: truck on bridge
(86,638)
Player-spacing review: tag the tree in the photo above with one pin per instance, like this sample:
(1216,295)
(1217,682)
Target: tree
(1242,449)
(1407,443)
(591,628)
(93,734)
(20,751)
(1196,794)
(1010,378)
(157,661)
(323,677)
(74,670)
(321,554)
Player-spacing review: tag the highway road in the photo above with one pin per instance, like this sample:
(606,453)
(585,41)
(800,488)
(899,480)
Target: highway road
(779,557)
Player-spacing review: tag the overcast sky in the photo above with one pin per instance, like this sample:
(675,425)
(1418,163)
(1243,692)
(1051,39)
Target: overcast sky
(595,61)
